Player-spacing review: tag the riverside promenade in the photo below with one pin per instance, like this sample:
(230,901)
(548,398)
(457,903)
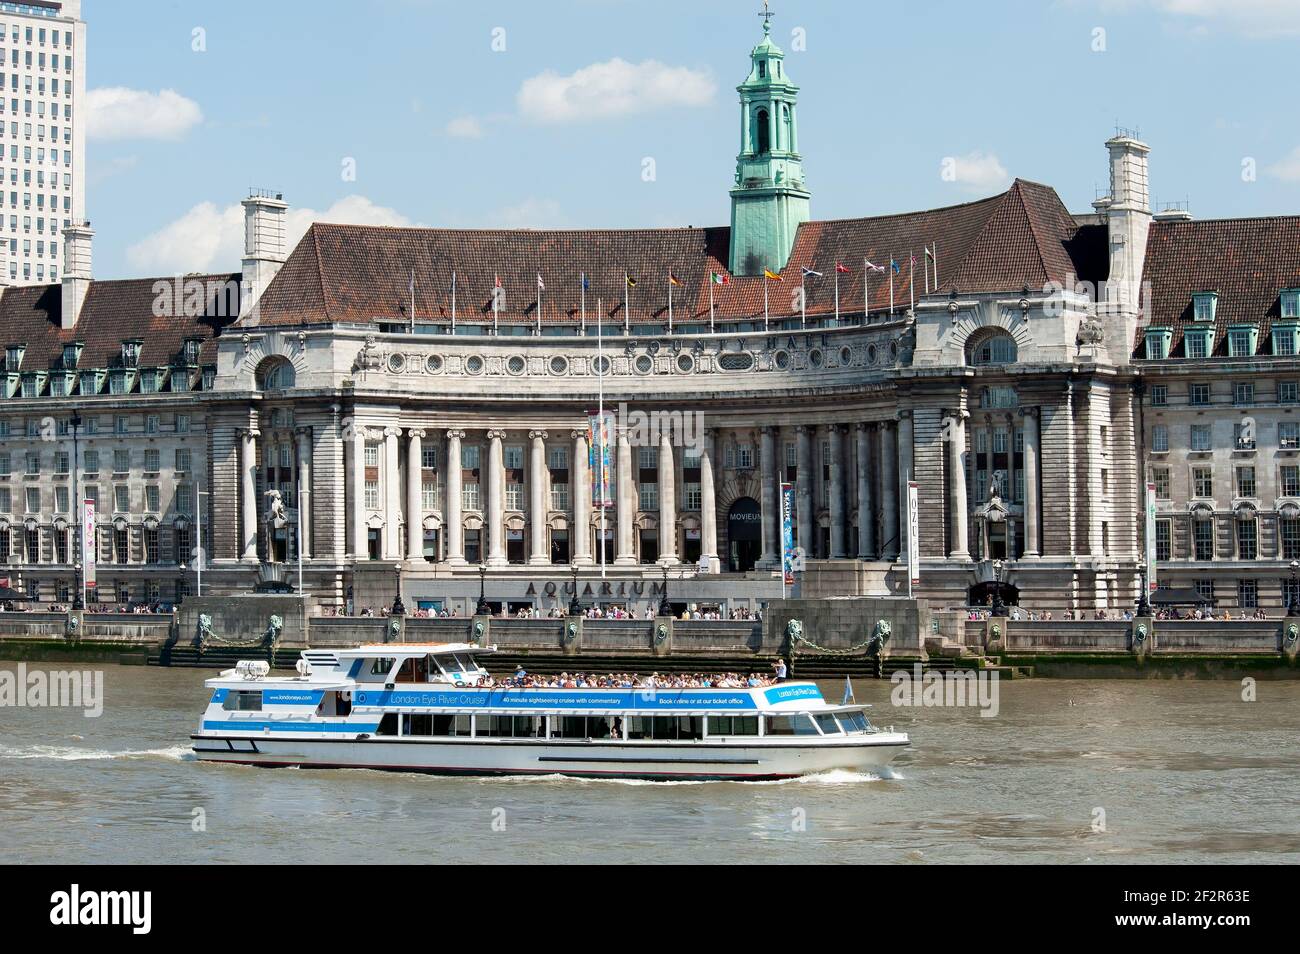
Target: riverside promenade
(819,638)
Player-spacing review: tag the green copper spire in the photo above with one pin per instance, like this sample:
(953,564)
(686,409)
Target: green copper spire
(769,198)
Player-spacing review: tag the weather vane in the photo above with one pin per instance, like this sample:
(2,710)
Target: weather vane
(767,15)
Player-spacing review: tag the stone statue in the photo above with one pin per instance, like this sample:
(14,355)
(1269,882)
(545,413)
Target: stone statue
(276,516)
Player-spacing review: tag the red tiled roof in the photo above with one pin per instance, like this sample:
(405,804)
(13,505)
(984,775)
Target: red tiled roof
(113,311)
(348,273)
(1247,261)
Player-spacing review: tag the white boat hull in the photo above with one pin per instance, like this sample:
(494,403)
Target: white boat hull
(595,759)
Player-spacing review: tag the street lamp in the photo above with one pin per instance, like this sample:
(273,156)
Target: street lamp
(482,609)
(665,607)
(997,609)
(1293,607)
(1143,604)
(399,608)
(575,607)
(78,597)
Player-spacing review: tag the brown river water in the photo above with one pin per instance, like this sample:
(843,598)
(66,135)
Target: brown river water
(1069,771)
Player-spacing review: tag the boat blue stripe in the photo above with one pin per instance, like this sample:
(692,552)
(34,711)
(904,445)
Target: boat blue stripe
(286,726)
(577,700)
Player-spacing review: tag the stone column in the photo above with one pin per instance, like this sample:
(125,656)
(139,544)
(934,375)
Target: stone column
(453,527)
(359,549)
(580,490)
(1031,465)
(392,492)
(889,545)
(415,495)
(708,505)
(866,507)
(539,552)
(958,503)
(838,528)
(248,493)
(496,500)
(624,554)
(667,501)
(771,516)
(804,493)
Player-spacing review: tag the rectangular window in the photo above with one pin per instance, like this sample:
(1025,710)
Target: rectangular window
(372,495)
(33,500)
(1289,531)
(649,496)
(469,456)
(122,498)
(1160,438)
(513,456)
(1198,395)
(372,455)
(1288,392)
(121,461)
(514,496)
(1247,594)
(1197,344)
(692,496)
(1243,436)
(152,460)
(184,460)
(90,462)
(469,498)
(1202,481)
(151,552)
(185,499)
(559,496)
(1245,481)
(1203,539)
(429,458)
(1200,437)
(1290,480)
(1159,395)
(429,493)
(1160,477)
(1243,392)
(1246,540)
(1288,435)
(1164,548)
(152,498)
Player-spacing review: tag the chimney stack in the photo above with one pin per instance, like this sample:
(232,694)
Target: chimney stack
(1128,222)
(76,271)
(264,215)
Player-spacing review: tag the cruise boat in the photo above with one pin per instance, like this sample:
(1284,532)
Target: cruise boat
(424,708)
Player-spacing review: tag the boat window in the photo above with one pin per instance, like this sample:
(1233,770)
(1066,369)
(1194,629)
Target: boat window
(798,724)
(417,724)
(580,727)
(733,725)
(388,724)
(466,663)
(378,668)
(665,727)
(826,722)
(335,704)
(415,669)
(240,700)
(854,721)
(510,727)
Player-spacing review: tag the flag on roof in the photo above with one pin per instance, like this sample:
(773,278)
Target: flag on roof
(810,272)
(631,282)
(586,285)
(496,281)
(720,279)
(673,279)
(895,266)
(541,286)
(771,275)
(842,268)
(873,266)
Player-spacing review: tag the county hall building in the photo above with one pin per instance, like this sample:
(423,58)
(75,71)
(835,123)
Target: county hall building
(379,404)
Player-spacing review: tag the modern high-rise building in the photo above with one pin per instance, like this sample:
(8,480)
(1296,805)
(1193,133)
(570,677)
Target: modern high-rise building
(42,135)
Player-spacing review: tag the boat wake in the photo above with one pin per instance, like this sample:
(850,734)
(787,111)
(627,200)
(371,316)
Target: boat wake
(67,753)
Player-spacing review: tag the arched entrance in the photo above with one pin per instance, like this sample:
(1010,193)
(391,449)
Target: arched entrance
(744,535)
(981,594)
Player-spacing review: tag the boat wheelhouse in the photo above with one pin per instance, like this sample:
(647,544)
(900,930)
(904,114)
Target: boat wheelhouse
(434,708)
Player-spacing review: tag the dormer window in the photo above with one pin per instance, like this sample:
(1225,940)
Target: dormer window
(1158,343)
(762,69)
(71,355)
(1285,339)
(1204,305)
(1241,340)
(131,353)
(1196,342)
(1291,303)
(14,357)
(192,346)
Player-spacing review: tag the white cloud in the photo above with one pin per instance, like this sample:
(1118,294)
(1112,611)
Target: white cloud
(465,127)
(531,213)
(1257,19)
(1288,168)
(611,89)
(977,171)
(115,112)
(211,238)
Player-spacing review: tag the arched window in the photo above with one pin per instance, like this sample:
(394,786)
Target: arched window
(997,348)
(275,374)
(763,132)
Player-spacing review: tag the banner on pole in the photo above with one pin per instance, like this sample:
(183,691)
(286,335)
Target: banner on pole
(88,543)
(787,531)
(1151,537)
(913,550)
(600,437)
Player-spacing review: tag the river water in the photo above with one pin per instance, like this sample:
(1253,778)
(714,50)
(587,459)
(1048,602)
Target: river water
(1068,771)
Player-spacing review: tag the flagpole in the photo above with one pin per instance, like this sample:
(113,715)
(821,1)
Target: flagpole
(670,302)
(803,301)
(925,264)
(412,322)
(911,281)
(600,386)
(765,318)
(496,302)
(539,305)
(710,303)
(837,293)
(582,288)
(866,294)
(891,286)
(935,249)
(453,301)
(626,299)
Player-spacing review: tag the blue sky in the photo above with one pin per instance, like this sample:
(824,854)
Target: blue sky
(554,129)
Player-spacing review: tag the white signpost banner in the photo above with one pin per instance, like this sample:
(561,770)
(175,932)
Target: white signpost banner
(913,549)
(1151,537)
(88,545)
